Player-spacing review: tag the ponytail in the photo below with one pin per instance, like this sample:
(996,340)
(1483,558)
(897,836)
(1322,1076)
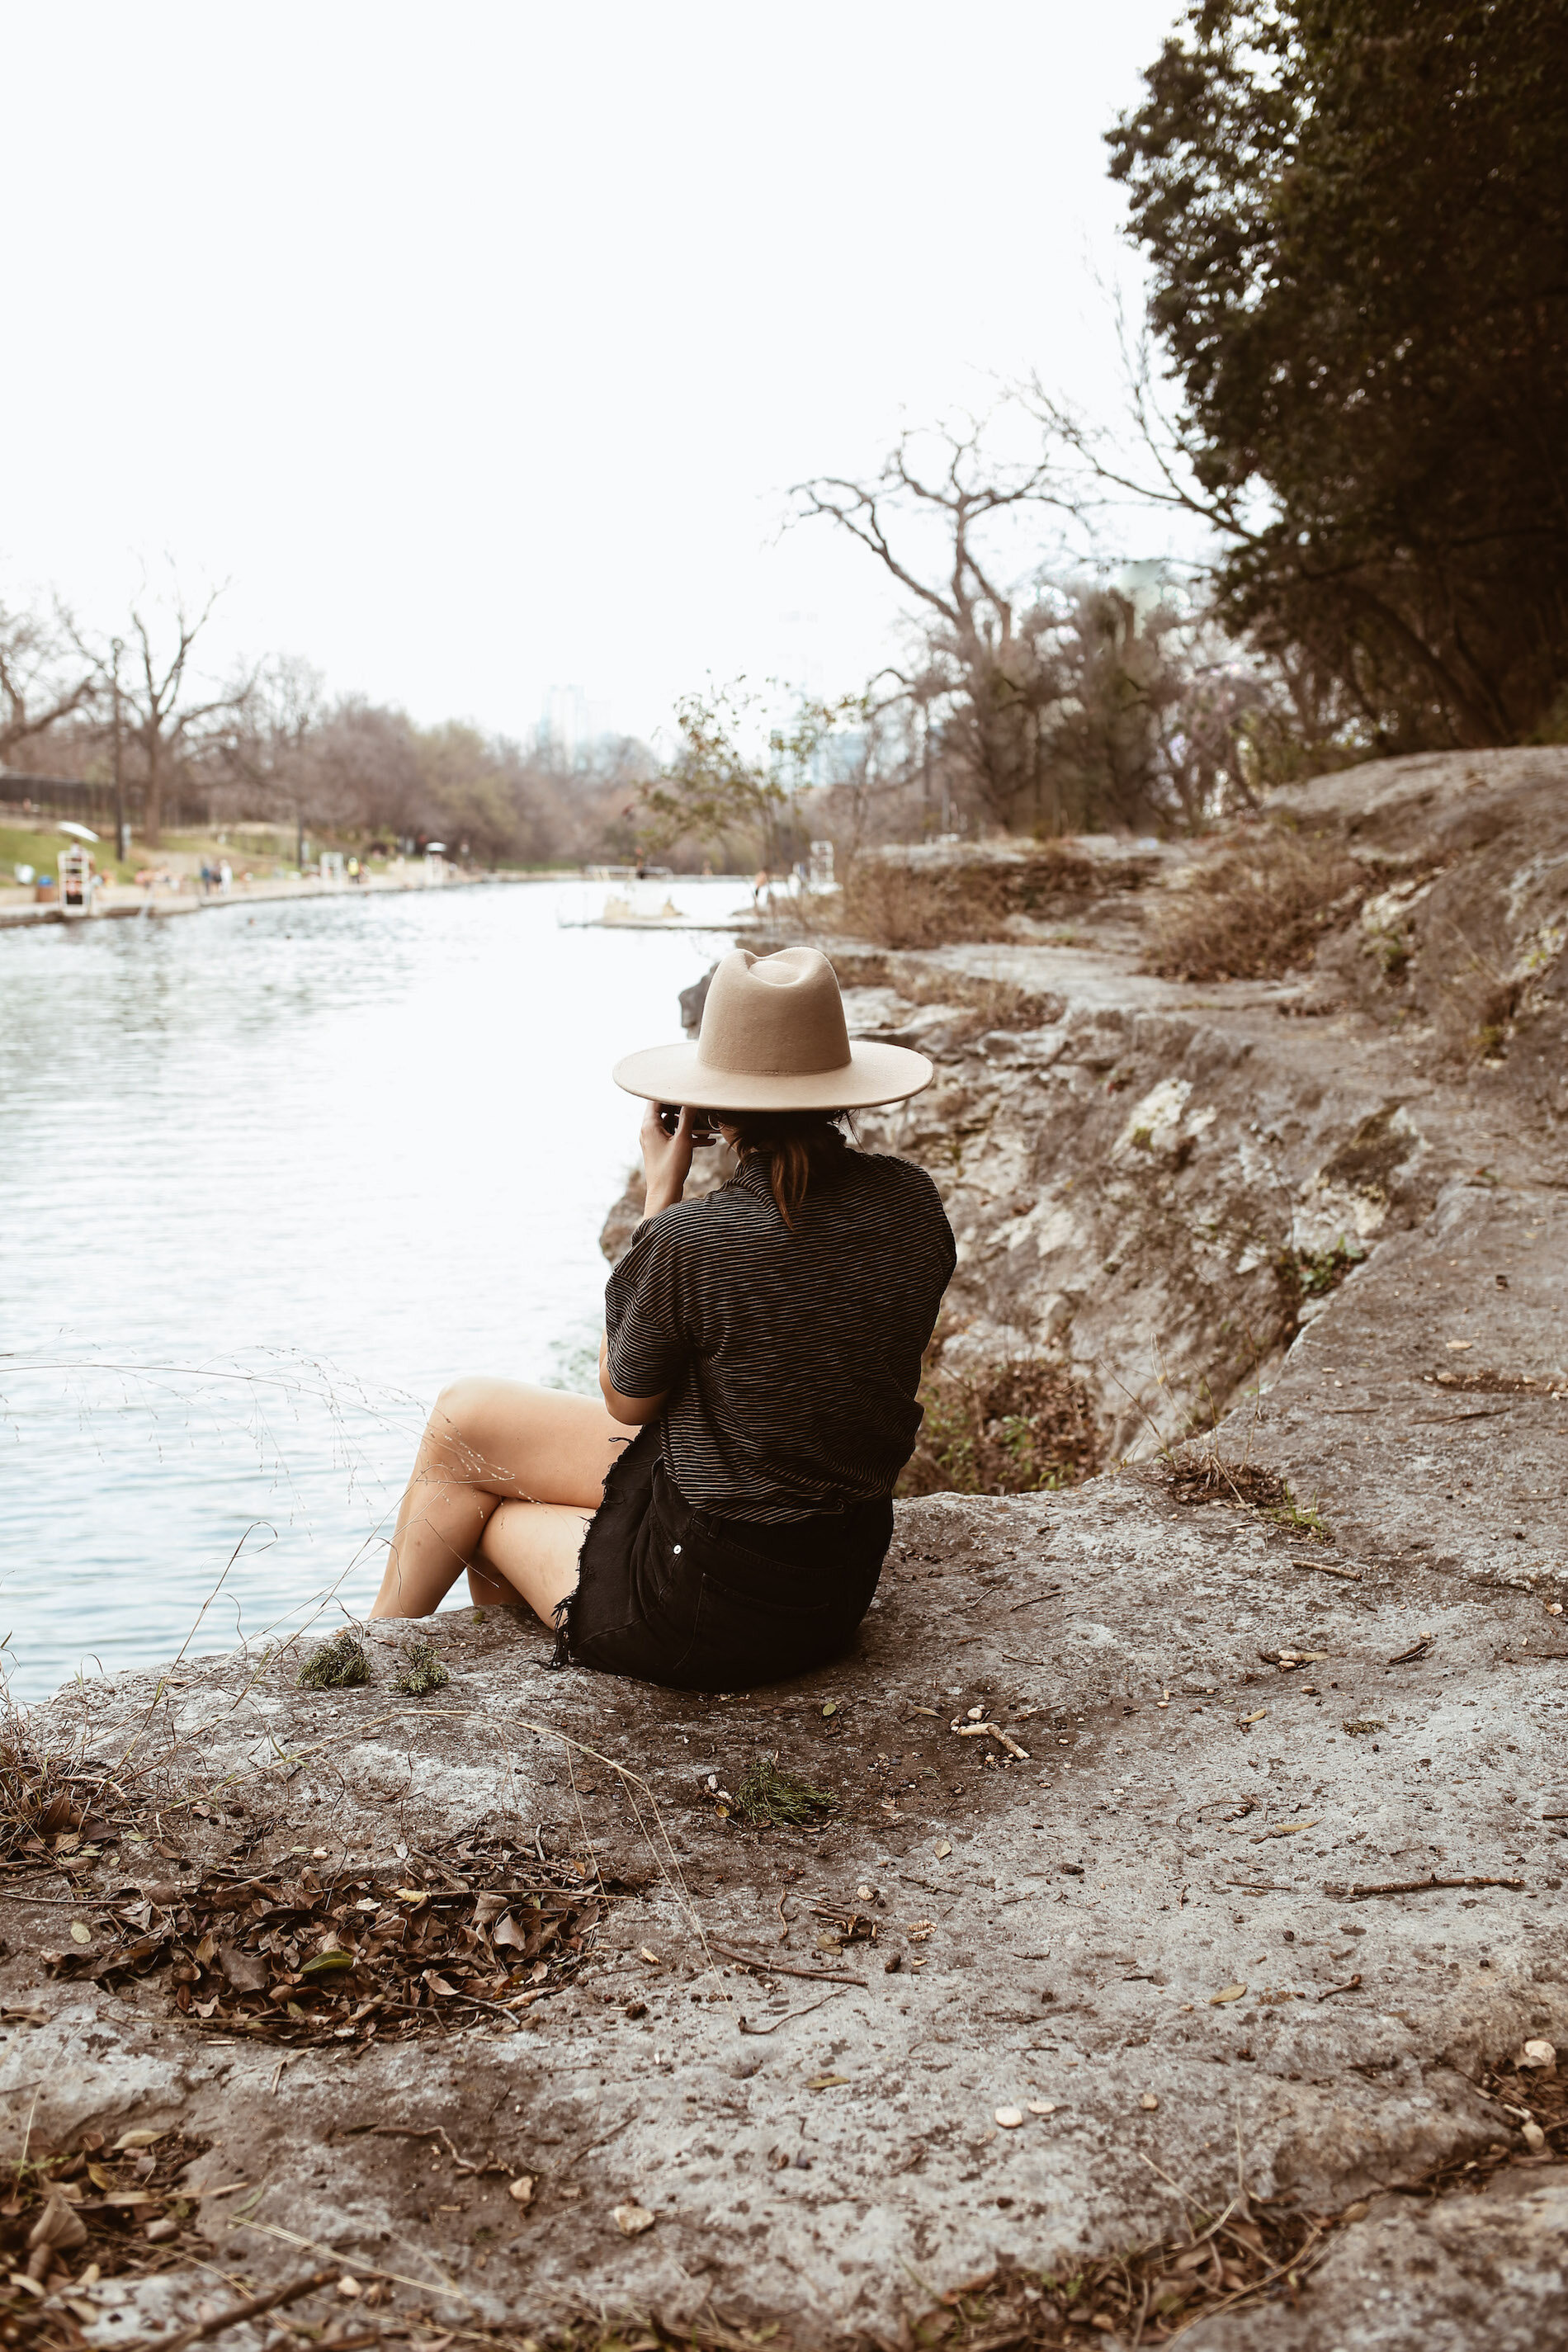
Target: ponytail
(795,1149)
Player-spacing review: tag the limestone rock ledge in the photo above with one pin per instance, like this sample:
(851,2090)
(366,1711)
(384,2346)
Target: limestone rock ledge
(1062,1922)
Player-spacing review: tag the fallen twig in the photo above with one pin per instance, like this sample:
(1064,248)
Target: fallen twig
(1419,1650)
(1350,1984)
(344,2262)
(202,2329)
(1416,1886)
(989,1731)
(780,1968)
(746,2027)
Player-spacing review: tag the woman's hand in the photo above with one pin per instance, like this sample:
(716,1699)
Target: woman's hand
(666,1159)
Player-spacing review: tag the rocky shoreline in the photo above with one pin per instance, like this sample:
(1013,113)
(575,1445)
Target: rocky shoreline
(1186,1919)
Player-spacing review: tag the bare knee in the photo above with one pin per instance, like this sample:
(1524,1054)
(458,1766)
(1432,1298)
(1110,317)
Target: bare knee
(457,1412)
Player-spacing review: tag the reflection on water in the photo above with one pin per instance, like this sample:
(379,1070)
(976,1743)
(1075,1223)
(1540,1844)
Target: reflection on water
(267,1179)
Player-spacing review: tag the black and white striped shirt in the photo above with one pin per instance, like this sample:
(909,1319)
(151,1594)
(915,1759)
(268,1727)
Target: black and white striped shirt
(792,1359)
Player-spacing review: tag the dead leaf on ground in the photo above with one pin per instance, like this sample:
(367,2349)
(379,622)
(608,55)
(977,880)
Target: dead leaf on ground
(245,1971)
(631,2221)
(347,1957)
(59,2224)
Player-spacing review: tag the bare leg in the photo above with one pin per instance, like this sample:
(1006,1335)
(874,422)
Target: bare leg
(528,1551)
(491,1443)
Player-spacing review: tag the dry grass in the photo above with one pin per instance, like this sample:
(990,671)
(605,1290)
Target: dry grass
(1256,912)
(996,1003)
(52,1805)
(1008,1429)
(902,906)
(1206,1476)
(768,1797)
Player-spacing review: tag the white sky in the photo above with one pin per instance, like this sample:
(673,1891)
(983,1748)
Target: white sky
(476,346)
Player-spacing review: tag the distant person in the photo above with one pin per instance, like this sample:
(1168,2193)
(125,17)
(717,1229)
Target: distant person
(760,881)
(355,873)
(718,1515)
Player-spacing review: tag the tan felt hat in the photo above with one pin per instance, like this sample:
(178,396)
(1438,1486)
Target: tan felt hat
(773,1038)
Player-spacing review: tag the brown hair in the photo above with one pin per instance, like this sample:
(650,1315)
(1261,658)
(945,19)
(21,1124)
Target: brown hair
(795,1148)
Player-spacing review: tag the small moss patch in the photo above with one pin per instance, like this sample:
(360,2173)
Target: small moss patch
(770,1798)
(339,1664)
(424,1668)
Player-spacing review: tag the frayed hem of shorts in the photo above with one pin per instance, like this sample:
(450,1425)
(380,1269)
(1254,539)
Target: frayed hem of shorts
(562,1615)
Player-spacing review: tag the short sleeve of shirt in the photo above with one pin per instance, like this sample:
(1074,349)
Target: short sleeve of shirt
(648,1347)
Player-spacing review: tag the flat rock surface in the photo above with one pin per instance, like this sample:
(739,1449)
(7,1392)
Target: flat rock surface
(1129,1960)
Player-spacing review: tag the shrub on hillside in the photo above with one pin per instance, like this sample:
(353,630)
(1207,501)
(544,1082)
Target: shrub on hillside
(899,904)
(1256,912)
(1007,1429)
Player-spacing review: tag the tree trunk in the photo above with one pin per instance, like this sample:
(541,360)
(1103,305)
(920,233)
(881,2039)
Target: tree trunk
(152,803)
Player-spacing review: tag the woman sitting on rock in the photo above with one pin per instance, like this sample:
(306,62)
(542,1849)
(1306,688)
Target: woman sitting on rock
(722,1516)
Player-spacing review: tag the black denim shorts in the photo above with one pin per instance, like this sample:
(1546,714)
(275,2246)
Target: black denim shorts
(671,1593)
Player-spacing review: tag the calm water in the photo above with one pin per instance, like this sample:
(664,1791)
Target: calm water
(267,1179)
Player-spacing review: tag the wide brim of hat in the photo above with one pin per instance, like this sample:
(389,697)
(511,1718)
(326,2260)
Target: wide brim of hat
(677,1073)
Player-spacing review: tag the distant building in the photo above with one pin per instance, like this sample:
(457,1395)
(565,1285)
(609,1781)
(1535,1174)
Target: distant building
(837,758)
(572,722)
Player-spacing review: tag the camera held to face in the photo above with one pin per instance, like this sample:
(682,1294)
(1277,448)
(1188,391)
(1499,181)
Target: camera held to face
(704,1123)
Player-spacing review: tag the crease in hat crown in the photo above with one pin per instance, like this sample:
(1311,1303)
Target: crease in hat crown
(774,1037)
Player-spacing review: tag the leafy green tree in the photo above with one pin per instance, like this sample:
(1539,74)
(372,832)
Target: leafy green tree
(1357,216)
(716,792)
